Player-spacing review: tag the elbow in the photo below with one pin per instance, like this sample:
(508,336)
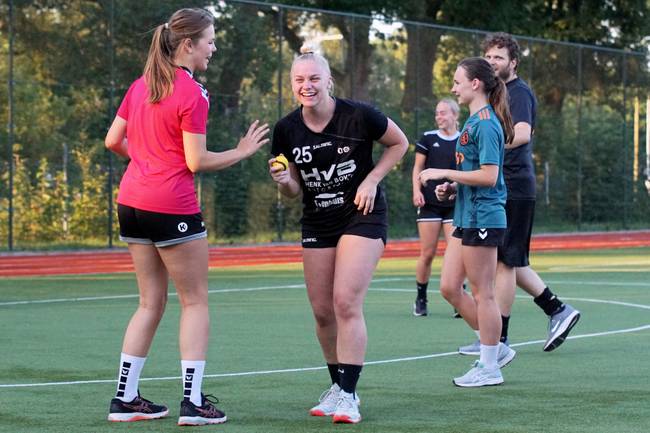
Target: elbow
(403,147)
(193,166)
(491,182)
(110,144)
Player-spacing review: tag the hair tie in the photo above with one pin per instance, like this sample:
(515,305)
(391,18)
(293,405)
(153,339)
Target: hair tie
(166,26)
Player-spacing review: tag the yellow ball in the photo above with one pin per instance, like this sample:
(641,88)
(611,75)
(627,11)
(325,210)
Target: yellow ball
(281,162)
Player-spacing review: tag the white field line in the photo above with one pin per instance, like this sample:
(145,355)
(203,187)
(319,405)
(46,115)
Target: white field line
(290,286)
(384,361)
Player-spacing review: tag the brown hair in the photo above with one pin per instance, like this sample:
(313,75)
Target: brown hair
(479,68)
(160,70)
(501,40)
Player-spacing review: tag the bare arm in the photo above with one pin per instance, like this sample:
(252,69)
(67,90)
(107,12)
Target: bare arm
(396,144)
(523,133)
(418,166)
(487,175)
(199,158)
(115,140)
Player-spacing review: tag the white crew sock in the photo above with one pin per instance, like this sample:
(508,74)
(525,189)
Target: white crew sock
(192,380)
(489,355)
(128,377)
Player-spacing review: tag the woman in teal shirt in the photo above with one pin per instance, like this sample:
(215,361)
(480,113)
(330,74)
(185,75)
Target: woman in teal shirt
(479,214)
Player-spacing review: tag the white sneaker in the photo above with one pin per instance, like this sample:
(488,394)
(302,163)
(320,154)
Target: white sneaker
(327,402)
(347,409)
(473,349)
(505,355)
(479,375)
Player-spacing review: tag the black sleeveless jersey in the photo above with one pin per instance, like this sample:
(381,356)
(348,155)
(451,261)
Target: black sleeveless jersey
(333,163)
(440,152)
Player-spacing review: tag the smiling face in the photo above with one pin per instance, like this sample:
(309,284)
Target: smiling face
(446,119)
(500,61)
(310,82)
(201,49)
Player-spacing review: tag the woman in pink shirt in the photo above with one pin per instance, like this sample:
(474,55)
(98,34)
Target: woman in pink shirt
(161,127)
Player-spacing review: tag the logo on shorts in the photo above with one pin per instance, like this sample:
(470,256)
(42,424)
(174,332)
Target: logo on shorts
(464,138)
(309,240)
(182,227)
(482,233)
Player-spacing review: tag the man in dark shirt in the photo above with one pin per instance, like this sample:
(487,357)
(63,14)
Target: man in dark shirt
(513,269)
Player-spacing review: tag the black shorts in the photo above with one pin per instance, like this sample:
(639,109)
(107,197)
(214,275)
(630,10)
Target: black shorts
(160,229)
(432,213)
(479,237)
(375,227)
(516,243)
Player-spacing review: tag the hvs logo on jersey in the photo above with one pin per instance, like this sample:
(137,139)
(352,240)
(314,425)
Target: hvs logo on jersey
(341,169)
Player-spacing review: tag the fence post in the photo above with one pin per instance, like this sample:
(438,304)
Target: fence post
(111,112)
(10,125)
(279,208)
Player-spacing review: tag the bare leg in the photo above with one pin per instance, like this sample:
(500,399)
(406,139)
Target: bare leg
(152,284)
(187,264)
(530,281)
(319,278)
(505,288)
(451,283)
(480,264)
(429,232)
(356,260)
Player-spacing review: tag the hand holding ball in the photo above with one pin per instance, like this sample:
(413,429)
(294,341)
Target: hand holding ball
(280,162)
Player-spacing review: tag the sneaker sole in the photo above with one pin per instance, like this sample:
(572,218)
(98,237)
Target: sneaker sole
(492,382)
(198,420)
(320,413)
(562,333)
(344,419)
(137,416)
(416,314)
(468,352)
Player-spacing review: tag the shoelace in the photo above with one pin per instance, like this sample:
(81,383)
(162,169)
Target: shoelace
(325,395)
(209,402)
(210,399)
(345,403)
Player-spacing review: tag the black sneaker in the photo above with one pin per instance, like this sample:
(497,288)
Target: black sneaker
(138,409)
(207,413)
(420,307)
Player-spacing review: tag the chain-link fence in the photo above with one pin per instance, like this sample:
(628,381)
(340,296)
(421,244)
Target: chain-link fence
(70,63)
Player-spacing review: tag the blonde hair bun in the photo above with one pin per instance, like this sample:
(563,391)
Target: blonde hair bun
(308,48)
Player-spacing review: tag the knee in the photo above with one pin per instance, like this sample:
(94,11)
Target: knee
(155,307)
(324,316)
(450,292)
(346,308)
(484,296)
(427,254)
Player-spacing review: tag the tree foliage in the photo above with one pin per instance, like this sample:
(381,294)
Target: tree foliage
(75,59)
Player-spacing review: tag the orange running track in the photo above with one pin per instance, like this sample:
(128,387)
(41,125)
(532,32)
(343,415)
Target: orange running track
(109,261)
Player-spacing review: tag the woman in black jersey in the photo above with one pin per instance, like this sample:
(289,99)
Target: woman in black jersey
(328,142)
(435,149)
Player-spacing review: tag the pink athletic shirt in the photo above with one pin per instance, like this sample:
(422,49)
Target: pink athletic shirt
(157,178)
